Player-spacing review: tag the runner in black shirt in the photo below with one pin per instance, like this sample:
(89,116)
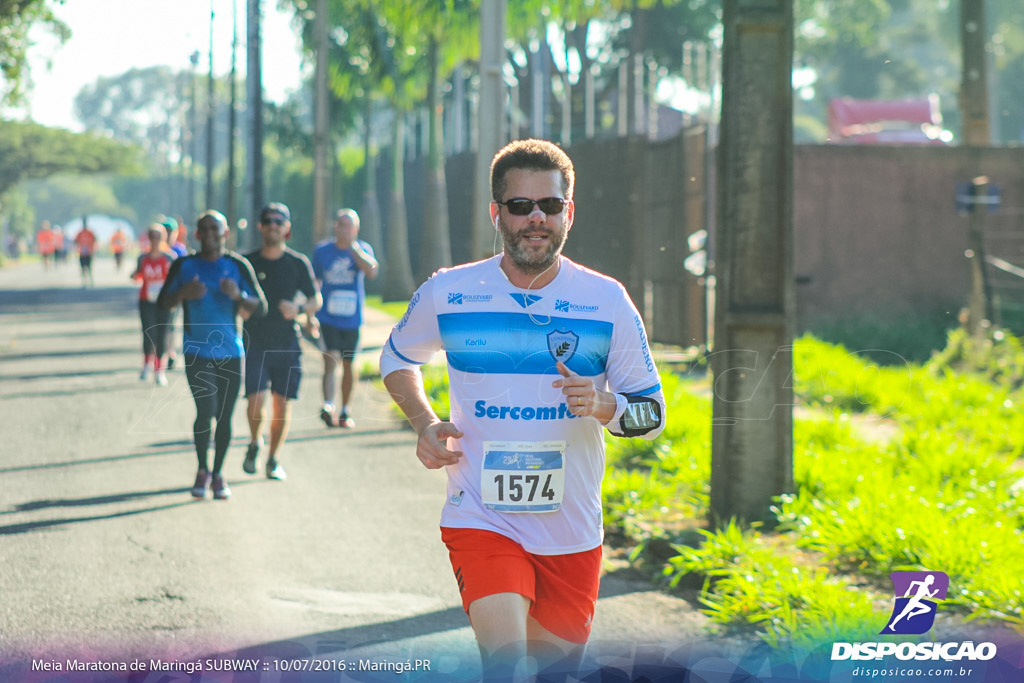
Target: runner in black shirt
(272,354)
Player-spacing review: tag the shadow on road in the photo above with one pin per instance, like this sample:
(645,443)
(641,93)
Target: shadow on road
(324,434)
(30,300)
(64,374)
(367,635)
(26,527)
(354,639)
(127,325)
(57,393)
(72,353)
(163,448)
(94,500)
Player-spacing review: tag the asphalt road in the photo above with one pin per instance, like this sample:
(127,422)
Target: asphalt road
(107,559)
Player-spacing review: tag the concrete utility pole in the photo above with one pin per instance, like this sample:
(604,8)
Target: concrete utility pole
(979,310)
(211,111)
(232,209)
(321,170)
(752,432)
(254,120)
(490,120)
(974,82)
(191,199)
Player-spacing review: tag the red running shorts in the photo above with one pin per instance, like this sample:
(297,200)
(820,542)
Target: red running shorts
(562,589)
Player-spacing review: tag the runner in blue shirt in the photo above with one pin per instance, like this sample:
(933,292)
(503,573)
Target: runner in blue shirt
(341,267)
(212,285)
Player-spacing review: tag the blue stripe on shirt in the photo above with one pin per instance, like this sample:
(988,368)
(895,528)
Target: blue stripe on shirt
(520,343)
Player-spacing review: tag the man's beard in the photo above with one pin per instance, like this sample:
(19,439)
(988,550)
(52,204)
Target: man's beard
(516,247)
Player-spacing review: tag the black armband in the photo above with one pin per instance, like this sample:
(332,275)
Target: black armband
(642,414)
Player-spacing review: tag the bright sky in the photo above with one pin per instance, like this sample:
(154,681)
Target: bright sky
(110,37)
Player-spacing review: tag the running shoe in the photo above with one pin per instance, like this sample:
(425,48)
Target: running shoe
(202,483)
(146,370)
(345,421)
(275,471)
(249,464)
(328,419)
(161,378)
(220,488)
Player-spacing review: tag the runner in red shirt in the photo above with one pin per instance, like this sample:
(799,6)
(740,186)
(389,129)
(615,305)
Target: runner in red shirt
(118,245)
(151,271)
(46,242)
(85,240)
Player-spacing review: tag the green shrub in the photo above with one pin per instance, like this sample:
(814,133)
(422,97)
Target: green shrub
(937,490)
(435,384)
(649,485)
(750,584)
(911,338)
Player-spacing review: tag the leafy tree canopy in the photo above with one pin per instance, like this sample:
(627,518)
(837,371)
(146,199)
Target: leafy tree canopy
(16,18)
(63,197)
(29,150)
(140,106)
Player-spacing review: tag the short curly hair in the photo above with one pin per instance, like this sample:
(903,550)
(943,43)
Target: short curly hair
(213,215)
(534,155)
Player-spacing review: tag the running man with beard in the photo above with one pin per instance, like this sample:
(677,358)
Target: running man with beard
(543,355)
(273,359)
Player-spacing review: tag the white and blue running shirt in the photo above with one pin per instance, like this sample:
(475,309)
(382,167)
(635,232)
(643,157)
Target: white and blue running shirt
(531,470)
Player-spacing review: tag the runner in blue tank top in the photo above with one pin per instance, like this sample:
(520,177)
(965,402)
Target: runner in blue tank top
(212,285)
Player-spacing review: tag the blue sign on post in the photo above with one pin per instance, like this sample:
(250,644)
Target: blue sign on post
(966,198)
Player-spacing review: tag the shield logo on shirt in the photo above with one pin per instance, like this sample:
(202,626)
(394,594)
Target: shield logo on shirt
(562,344)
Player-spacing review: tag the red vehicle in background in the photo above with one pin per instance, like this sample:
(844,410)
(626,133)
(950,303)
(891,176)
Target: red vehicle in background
(886,122)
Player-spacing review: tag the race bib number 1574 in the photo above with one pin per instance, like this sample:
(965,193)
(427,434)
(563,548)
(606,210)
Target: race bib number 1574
(523,476)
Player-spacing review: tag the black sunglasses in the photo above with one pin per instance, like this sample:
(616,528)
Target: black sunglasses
(524,207)
(273,221)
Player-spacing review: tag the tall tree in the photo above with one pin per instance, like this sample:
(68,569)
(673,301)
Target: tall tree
(394,65)
(599,36)
(352,106)
(28,150)
(403,52)
(446,32)
(378,40)
(144,107)
(17,17)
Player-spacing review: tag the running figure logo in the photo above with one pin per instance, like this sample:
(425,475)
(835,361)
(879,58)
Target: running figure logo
(916,594)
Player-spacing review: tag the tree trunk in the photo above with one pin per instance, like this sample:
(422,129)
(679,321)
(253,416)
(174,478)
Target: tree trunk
(634,90)
(435,248)
(369,215)
(398,282)
(577,38)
